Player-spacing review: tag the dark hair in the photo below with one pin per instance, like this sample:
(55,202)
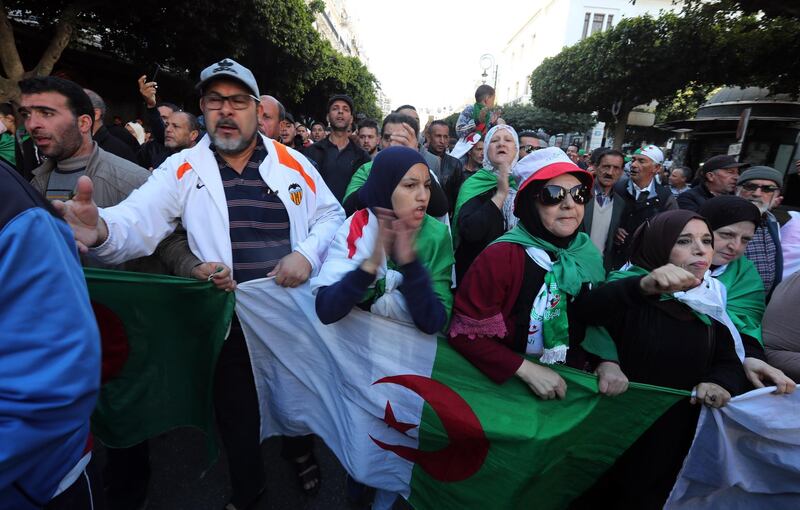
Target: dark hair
(6,109)
(483,92)
(399,118)
(369,123)
(532,134)
(686,171)
(439,123)
(404,107)
(607,152)
(77,100)
(171,106)
(316,122)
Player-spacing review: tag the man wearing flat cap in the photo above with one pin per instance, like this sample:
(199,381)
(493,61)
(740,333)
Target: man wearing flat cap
(718,177)
(761,185)
(252,208)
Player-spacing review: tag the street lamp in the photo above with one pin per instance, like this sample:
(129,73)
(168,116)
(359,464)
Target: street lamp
(486,63)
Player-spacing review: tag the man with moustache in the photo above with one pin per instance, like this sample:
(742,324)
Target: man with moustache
(288,131)
(451,170)
(369,136)
(603,213)
(643,198)
(761,185)
(250,206)
(337,156)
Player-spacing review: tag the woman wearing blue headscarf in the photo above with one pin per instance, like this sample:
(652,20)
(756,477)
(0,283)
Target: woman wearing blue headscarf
(390,258)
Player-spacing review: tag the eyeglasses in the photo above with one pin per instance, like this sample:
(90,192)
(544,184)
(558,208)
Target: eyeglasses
(553,194)
(529,148)
(238,101)
(766,188)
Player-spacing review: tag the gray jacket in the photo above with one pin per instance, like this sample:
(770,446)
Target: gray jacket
(617,207)
(114,178)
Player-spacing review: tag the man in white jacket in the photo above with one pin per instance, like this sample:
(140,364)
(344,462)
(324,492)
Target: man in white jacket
(252,208)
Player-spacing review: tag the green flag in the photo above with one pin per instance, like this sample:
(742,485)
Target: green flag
(541,454)
(172,330)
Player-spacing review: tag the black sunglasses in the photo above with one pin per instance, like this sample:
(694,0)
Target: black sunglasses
(529,148)
(553,194)
(766,188)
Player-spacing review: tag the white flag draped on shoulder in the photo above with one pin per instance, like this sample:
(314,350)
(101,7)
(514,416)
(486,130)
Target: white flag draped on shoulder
(318,379)
(745,455)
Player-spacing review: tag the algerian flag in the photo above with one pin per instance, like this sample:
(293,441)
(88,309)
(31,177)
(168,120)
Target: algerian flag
(163,334)
(405,413)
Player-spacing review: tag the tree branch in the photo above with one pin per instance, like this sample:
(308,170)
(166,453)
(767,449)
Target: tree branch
(60,40)
(9,56)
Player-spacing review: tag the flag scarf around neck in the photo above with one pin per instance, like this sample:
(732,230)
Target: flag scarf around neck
(707,301)
(746,296)
(477,184)
(162,335)
(404,412)
(579,263)
(353,244)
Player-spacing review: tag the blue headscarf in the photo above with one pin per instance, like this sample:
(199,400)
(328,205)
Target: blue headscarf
(388,169)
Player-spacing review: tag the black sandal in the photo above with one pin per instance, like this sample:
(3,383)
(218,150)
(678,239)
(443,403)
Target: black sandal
(308,472)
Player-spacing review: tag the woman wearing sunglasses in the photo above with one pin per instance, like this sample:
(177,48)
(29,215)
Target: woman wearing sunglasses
(667,317)
(513,313)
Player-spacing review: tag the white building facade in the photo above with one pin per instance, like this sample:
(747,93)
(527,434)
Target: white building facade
(554,24)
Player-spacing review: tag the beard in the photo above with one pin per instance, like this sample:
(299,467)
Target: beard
(233,144)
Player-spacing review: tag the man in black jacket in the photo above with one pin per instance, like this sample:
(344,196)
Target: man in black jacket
(643,197)
(100,133)
(717,177)
(337,157)
(451,170)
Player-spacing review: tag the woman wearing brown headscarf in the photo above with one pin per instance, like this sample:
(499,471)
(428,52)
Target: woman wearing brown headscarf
(657,313)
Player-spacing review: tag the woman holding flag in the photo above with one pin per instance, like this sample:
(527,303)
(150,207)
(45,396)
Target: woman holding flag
(390,258)
(518,296)
(667,317)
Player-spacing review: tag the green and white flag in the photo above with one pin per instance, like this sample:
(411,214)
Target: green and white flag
(405,413)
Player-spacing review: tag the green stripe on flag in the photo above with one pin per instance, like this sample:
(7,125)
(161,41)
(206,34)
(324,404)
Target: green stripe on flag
(542,454)
(174,328)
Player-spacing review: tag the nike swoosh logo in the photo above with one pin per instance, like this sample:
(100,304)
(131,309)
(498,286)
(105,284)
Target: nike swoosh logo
(200,185)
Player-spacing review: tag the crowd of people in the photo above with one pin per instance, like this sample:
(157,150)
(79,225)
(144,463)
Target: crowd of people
(521,254)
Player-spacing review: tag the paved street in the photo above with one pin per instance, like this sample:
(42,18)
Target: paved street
(178,462)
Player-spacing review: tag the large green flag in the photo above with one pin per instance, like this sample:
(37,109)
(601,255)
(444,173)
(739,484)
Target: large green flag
(161,335)
(542,454)
(406,413)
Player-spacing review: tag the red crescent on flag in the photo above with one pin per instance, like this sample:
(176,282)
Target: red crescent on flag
(468,446)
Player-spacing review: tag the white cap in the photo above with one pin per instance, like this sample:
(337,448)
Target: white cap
(654,153)
(543,164)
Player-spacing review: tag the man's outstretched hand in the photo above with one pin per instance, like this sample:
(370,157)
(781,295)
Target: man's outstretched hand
(83,217)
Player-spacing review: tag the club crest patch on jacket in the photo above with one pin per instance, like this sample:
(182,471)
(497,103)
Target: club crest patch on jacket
(296,193)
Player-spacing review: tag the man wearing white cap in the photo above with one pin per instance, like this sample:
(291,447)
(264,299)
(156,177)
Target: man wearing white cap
(644,198)
(252,208)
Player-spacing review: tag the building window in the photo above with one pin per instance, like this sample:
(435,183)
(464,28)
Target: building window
(597,23)
(597,20)
(586,25)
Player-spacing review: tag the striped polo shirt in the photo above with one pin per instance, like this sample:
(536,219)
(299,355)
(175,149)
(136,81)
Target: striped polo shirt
(259,222)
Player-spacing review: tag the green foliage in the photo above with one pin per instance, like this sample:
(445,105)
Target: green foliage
(684,103)
(275,38)
(645,58)
(526,116)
